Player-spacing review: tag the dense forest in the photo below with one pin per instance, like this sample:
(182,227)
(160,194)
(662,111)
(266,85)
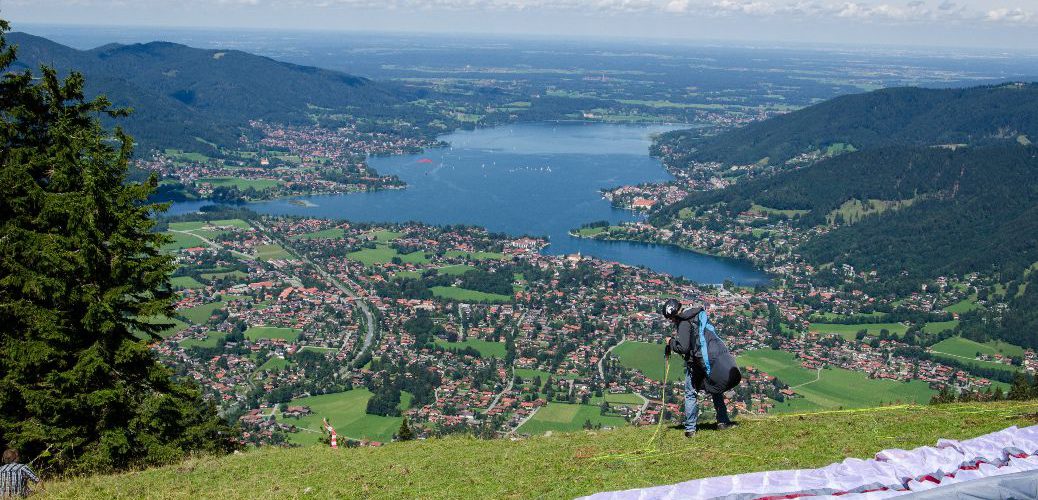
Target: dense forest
(182,94)
(888,117)
(974,209)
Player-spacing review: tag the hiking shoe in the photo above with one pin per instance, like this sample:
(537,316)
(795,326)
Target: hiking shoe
(689,434)
(722,426)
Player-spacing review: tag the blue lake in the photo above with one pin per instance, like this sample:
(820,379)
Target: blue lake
(534,179)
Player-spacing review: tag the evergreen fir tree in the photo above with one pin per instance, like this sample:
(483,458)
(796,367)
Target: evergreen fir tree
(81,277)
(404,433)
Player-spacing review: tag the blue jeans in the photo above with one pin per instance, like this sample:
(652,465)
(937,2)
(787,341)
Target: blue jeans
(692,405)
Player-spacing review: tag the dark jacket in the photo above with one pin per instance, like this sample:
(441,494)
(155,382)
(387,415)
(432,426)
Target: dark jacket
(713,369)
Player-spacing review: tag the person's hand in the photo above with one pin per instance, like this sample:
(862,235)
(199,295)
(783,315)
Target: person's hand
(666,349)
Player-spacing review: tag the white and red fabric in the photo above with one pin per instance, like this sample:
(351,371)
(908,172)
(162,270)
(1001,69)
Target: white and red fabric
(891,473)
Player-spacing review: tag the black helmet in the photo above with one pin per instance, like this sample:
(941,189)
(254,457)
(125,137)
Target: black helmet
(671,308)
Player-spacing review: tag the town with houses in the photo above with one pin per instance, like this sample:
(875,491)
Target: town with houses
(464,331)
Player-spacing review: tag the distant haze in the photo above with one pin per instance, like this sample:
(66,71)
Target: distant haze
(1009,24)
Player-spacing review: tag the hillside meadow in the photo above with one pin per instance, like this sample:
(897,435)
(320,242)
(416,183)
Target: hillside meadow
(562,465)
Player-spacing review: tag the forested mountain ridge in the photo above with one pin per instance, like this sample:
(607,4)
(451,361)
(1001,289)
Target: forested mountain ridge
(975,209)
(895,116)
(180,93)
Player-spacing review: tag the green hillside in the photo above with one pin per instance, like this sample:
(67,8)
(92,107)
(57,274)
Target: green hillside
(895,116)
(556,466)
(181,93)
(972,210)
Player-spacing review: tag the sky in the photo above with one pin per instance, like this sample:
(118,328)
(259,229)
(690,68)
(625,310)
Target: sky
(1010,24)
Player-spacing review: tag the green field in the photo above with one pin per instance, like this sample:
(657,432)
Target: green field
(624,399)
(211,341)
(257,184)
(180,282)
(226,274)
(940,326)
(528,375)
(835,387)
(557,466)
(485,348)
(383,254)
(187,226)
(271,332)
(769,211)
(330,233)
(466,295)
(385,235)
(777,364)
(199,315)
(591,231)
(272,252)
(477,255)
(564,417)
(177,326)
(850,331)
(826,317)
(181,241)
(274,363)
(180,155)
(963,306)
(958,346)
(455,270)
(648,358)
(346,412)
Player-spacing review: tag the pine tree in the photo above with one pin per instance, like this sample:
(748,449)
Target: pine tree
(404,433)
(81,275)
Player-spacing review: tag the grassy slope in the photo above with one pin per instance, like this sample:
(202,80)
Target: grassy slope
(558,466)
(347,413)
(850,331)
(648,358)
(562,417)
(832,388)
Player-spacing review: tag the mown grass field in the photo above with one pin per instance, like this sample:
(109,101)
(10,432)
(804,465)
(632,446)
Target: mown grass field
(850,331)
(272,252)
(176,326)
(832,388)
(563,465)
(271,332)
(346,412)
(565,417)
(211,341)
(477,255)
(199,315)
(779,364)
(383,254)
(225,274)
(273,363)
(958,346)
(455,270)
(648,358)
(963,306)
(940,326)
(330,233)
(184,282)
(466,295)
(485,348)
(623,399)
(257,184)
(181,241)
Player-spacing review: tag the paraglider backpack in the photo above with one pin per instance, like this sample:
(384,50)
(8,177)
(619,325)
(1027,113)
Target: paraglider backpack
(722,372)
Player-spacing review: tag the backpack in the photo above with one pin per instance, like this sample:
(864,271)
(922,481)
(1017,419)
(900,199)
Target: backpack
(722,371)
